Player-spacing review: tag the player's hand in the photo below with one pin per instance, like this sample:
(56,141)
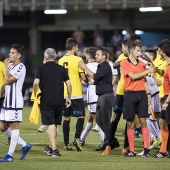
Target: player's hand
(68,103)
(164,106)
(6,62)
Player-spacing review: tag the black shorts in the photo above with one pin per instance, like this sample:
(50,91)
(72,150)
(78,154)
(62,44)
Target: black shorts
(118,103)
(76,109)
(1,101)
(135,103)
(165,113)
(51,115)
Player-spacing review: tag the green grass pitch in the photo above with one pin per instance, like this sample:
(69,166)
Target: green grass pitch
(88,159)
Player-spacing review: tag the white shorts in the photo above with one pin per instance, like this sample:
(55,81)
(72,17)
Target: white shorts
(92,108)
(11,115)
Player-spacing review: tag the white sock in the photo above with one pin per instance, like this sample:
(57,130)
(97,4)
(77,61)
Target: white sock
(149,130)
(21,142)
(86,131)
(42,127)
(101,134)
(8,132)
(14,141)
(155,129)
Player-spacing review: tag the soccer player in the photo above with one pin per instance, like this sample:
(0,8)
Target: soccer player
(161,64)
(91,94)
(11,113)
(165,116)
(76,74)
(50,78)
(135,97)
(155,102)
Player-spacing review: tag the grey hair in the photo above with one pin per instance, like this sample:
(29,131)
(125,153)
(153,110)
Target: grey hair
(50,53)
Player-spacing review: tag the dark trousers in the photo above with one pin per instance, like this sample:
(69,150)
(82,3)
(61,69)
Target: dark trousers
(104,112)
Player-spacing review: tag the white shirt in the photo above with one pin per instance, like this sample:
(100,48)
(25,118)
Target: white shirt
(13,92)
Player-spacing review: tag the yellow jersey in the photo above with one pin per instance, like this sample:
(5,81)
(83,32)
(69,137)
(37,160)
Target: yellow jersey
(160,64)
(2,73)
(70,62)
(120,86)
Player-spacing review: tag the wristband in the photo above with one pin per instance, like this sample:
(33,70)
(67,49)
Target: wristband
(148,93)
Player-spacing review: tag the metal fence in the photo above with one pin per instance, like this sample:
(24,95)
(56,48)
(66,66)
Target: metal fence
(82,4)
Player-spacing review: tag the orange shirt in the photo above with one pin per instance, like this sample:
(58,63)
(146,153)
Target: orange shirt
(166,84)
(126,68)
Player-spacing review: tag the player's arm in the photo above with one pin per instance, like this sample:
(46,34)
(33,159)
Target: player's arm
(135,76)
(160,72)
(116,65)
(114,79)
(69,90)
(88,71)
(36,85)
(83,77)
(147,92)
(8,78)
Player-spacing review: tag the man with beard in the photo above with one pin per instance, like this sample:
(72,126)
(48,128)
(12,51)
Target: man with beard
(118,103)
(76,74)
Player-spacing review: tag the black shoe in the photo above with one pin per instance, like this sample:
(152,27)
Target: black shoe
(115,144)
(77,144)
(161,155)
(130,154)
(48,150)
(68,148)
(101,147)
(137,134)
(146,153)
(55,153)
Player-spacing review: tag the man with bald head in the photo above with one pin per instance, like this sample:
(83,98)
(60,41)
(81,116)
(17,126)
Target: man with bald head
(50,78)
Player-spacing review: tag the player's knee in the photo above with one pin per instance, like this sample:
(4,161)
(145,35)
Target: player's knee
(67,118)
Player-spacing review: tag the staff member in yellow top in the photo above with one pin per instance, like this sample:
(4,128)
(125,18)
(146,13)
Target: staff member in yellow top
(76,74)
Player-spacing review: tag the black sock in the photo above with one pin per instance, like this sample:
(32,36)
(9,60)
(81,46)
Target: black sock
(126,142)
(168,143)
(79,127)
(66,131)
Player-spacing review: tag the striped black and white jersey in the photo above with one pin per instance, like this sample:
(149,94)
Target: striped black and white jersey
(91,90)
(13,92)
(153,88)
